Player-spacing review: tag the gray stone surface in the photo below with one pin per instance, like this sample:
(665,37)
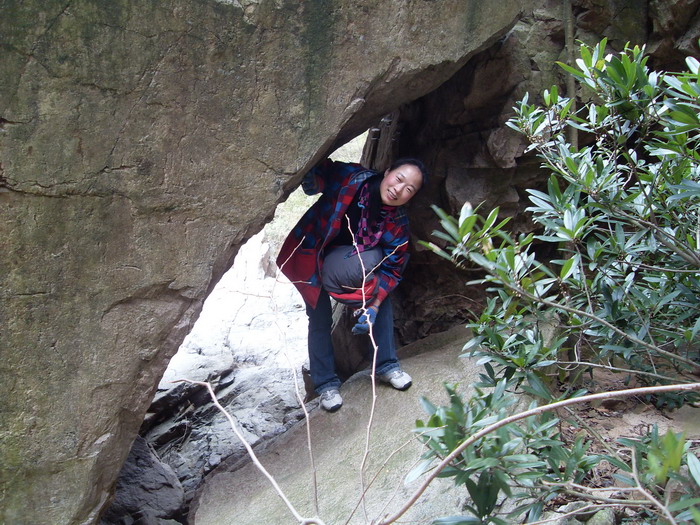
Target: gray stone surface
(247,343)
(245,496)
(603,517)
(148,491)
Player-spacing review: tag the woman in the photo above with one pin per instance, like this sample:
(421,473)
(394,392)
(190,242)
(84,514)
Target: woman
(352,244)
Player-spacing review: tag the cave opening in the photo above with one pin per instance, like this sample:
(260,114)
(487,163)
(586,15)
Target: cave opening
(248,341)
(251,333)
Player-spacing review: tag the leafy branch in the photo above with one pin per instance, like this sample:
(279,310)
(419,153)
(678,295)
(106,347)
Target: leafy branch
(454,455)
(622,214)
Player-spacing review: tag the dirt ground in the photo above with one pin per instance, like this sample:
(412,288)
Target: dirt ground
(632,416)
(628,417)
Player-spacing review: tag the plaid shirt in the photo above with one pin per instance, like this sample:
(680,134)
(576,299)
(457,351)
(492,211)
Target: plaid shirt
(301,256)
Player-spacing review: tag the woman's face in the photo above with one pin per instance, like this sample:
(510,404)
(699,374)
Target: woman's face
(399,185)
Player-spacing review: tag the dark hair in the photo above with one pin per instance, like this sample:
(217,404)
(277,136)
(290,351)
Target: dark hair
(375,199)
(413,162)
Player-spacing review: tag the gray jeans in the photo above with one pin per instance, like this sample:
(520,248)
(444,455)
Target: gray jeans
(342,271)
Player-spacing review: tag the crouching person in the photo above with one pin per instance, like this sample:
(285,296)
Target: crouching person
(352,245)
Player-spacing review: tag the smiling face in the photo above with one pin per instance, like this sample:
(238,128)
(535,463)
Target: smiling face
(399,185)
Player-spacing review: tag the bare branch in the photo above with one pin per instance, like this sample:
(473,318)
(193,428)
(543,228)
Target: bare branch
(253,456)
(616,369)
(586,508)
(314,482)
(365,454)
(376,475)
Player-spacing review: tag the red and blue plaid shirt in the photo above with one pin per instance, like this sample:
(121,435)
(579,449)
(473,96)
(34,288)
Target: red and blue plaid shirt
(301,256)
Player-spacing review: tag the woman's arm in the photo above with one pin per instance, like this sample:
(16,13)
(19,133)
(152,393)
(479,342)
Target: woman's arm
(394,244)
(327,175)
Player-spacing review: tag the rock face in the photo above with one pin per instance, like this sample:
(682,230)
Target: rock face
(459,126)
(142,142)
(459,130)
(148,490)
(247,343)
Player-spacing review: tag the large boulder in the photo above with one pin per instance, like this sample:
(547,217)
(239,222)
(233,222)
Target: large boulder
(142,142)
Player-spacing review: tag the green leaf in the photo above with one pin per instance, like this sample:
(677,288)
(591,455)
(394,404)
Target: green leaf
(466,211)
(421,468)
(586,56)
(571,70)
(567,268)
(683,504)
(458,520)
(490,219)
(693,466)
(571,164)
(466,225)
(429,408)
(536,387)
(482,463)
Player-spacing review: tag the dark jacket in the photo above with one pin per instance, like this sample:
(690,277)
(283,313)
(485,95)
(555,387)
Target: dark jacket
(301,256)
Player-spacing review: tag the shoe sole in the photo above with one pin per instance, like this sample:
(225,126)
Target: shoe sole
(402,389)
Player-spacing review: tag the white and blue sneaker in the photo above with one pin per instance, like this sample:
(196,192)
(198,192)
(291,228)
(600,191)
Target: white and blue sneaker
(399,379)
(331,400)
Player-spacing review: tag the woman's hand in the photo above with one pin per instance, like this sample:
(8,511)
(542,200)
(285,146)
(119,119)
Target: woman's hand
(366,319)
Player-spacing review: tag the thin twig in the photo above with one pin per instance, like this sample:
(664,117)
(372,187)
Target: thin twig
(588,493)
(522,415)
(602,499)
(581,510)
(365,454)
(375,350)
(582,422)
(616,369)
(314,481)
(379,470)
(658,268)
(648,495)
(604,489)
(300,399)
(253,456)
(292,252)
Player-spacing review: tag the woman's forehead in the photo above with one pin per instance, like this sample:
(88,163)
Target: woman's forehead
(411,172)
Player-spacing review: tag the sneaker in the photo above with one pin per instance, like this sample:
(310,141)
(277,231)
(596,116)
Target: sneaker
(399,379)
(331,400)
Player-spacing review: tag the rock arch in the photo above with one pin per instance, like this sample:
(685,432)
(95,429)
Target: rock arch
(143,142)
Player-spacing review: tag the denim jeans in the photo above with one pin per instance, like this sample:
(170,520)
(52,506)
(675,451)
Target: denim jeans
(321,359)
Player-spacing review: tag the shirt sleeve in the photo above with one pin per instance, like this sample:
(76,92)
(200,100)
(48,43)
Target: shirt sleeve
(326,175)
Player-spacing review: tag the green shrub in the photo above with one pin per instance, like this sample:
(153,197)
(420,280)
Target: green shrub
(622,213)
